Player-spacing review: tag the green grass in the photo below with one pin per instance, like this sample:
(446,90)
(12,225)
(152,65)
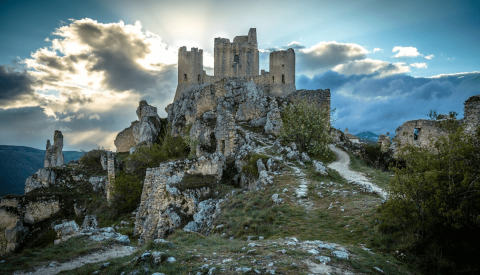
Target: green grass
(377,176)
(31,257)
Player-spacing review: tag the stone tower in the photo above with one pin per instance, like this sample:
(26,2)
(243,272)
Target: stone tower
(237,58)
(190,68)
(282,72)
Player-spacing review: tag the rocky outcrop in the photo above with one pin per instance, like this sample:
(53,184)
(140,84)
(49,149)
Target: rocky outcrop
(172,195)
(143,131)
(25,219)
(53,154)
(44,177)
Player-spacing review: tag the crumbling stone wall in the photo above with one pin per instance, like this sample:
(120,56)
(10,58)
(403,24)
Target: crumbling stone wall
(174,192)
(111,174)
(472,113)
(384,142)
(426,131)
(53,154)
(125,140)
(237,58)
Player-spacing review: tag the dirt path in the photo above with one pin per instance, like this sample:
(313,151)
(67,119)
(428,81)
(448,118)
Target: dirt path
(100,256)
(342,167)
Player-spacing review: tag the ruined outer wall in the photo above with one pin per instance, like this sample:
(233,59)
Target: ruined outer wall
(247,50)
(282,72)
(427,129)
(472,113)
(190,69)
(321,97)
(125,139)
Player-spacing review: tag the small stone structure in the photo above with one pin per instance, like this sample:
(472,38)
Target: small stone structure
(53,154)
(384,141)
(239,58)
(351,138)
(143,131)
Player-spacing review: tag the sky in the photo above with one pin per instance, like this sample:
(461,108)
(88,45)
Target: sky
(82,66)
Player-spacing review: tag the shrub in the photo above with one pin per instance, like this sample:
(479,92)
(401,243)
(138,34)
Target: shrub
(432,214)
(92,159)
(127,192)
(250,168)
(308,126)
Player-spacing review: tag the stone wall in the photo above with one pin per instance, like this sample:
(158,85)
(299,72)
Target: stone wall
(472,113)
(282,72)
(321,97)
(125,140)
(173,193)
(426,131)
(111,174)
(239,58)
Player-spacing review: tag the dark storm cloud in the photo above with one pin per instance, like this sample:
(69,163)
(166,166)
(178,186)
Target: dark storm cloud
(381,104)
(14,85)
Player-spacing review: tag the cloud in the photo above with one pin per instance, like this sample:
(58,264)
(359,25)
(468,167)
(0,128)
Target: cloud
(371,66)
(404,52)
(89,80)
(419,65)
(429,57)
(377,50)
(15,86)
(95,116)
(326,55)
(381,104)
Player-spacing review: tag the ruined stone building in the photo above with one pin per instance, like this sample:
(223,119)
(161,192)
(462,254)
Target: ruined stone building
(422,132)
(239,58)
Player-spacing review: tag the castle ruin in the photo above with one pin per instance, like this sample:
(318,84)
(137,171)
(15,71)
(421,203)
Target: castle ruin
(240,59)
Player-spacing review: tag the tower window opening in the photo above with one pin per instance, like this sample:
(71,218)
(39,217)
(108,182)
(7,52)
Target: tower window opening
(273,79)
(283,78)
(416,133)
(198,78)
(184,77)
(283,65)
(236,59)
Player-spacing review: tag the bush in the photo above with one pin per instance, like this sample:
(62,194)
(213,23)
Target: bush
(250,168)
(308,126)
(432,214)
(127,192)
(170,147)
(92,159)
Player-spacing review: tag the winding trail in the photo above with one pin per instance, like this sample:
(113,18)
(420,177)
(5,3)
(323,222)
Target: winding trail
(342,167)
(100,256)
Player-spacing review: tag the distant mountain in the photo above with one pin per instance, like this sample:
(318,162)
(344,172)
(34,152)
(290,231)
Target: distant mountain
(19,162)
(368,135)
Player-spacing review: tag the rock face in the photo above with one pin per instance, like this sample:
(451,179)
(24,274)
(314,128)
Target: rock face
(143,131)
(44,177)
(24,219)
(178,194)
(174,192)
(53,154)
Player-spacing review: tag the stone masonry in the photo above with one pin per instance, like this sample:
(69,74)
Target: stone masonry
(240,59)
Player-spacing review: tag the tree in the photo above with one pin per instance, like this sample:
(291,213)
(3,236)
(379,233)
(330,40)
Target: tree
(433,212)
(308,125)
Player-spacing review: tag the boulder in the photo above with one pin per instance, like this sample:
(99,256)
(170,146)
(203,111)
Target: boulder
(320,168)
